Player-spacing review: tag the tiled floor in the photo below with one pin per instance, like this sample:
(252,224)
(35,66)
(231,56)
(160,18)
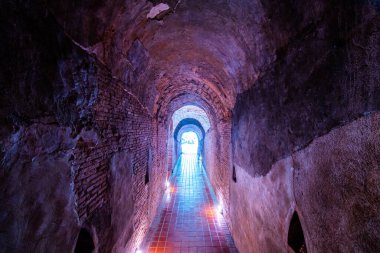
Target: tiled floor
(188,220)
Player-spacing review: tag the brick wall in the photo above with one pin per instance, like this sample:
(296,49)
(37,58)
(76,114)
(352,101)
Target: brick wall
(160,165)
(217,160)
(121,125)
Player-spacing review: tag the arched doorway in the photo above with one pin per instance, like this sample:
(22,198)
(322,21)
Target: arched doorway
(189,143)
(187,125)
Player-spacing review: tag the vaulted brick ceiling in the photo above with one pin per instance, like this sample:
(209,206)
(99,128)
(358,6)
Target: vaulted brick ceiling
(204,52)
(220,47)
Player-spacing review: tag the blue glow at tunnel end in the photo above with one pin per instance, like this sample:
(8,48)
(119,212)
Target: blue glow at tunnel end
(189,143)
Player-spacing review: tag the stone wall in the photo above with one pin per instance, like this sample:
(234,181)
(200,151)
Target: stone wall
(37,200)
(76,145)
(332,184)
(311,114)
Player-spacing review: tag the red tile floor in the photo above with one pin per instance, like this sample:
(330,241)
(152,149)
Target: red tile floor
(188,220)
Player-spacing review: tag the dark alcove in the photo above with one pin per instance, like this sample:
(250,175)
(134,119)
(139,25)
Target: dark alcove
(296,239)
(147,175)
(85,244)
(234,174)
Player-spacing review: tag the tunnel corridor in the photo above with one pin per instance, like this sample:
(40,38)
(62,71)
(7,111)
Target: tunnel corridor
(189,219)
(97,100)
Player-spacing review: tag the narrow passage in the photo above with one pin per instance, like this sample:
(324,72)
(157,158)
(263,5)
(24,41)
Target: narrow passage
(188,220)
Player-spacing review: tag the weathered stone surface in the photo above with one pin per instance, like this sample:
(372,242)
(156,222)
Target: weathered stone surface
(333,185)
(158,11)
(138,57)
(122,166)
(315,86)
(64,118)
(43,73)
(323,78)
(336,186)
(265,204)
(37,199)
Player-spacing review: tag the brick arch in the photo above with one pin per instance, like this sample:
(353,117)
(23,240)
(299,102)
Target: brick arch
(189,124)
(211,77)
(191,111)
(190,128)
(173,97)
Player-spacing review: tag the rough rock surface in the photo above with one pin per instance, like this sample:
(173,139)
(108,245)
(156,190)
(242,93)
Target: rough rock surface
(63,119)
(336,187)
(37,199)
(158,11)
(323,79)
(333,186)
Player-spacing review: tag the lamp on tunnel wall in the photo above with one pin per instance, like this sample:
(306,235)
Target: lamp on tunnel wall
(219,208)
(138,251)
(167,185)
(219,204)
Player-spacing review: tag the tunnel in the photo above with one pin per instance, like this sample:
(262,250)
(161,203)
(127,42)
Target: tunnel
(190,126)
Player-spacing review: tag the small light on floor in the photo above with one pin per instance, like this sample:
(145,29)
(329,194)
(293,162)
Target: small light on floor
(138,251)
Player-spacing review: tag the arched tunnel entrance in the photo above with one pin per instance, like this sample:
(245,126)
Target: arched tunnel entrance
(189,143)
(192,210)
(188,135)
(196,191)
(188,118)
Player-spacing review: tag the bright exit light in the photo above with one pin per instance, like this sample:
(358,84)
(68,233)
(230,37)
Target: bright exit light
(167,184)
(189,143)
